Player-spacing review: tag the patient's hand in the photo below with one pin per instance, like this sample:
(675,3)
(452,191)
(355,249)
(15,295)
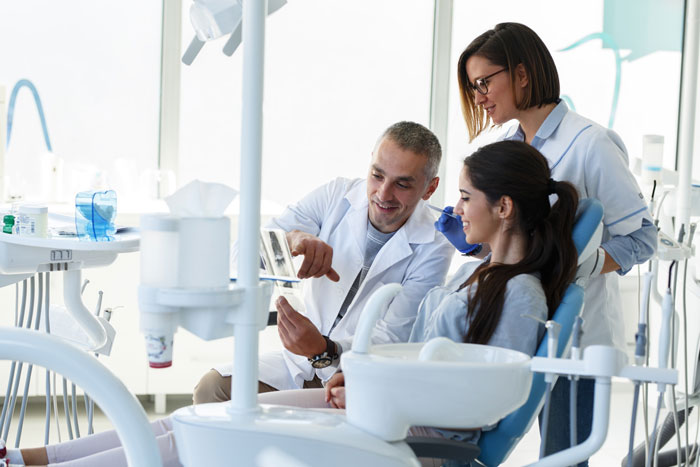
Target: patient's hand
(298,334)
(318,255)
(335,391)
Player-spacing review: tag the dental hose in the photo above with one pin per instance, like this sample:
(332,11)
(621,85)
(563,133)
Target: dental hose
(553,329)
(664,350)
(654,443)
(630,450)
(641,342)
(47,329)
(18,375)
(545,417)
(28,378)
(661,435)
(639,359)
(573,381)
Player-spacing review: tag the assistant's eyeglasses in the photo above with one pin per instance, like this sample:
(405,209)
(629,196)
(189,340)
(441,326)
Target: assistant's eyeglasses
(481,85)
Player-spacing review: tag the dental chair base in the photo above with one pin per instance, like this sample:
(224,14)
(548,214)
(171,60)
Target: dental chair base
(210,434)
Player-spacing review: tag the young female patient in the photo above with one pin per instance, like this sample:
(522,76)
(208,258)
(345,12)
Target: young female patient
(504,201)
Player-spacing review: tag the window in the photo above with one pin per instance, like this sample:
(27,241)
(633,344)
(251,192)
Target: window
(96,66)
(337,74)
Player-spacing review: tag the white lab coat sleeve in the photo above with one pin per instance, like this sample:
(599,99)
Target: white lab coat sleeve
(608,179)
(310,212)
(428,269)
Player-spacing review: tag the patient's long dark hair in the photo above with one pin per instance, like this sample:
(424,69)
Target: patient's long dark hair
(517,170)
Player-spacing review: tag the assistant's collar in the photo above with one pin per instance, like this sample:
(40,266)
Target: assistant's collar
(552,121)
(550,124)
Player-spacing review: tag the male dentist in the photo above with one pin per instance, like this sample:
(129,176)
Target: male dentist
(355,236)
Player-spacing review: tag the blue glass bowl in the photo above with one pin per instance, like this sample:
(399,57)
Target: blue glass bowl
(95,212)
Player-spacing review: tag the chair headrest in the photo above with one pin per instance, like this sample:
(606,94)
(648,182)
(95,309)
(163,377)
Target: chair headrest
(588,227)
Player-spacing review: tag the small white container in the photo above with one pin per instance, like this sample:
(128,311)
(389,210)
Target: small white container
(652,158)
(34,220)
(159,332)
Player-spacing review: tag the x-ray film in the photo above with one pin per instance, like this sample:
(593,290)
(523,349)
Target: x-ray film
(277,261)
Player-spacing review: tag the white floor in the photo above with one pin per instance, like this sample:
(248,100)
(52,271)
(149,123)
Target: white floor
(611,454)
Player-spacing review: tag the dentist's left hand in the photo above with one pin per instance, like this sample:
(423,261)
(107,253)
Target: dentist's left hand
(298,334)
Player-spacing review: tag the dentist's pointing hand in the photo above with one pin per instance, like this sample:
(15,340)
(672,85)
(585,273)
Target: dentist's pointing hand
(318,255)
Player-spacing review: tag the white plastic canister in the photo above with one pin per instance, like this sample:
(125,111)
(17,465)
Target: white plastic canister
(34,220)
(159,269)
(159,250)
(652,158)
(204,252)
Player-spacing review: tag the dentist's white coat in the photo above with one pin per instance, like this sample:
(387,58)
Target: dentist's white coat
(417,257)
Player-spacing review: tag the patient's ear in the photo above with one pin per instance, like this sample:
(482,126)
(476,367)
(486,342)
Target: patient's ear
(506,207)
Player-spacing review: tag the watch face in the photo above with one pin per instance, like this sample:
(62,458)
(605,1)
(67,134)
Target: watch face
(321,362)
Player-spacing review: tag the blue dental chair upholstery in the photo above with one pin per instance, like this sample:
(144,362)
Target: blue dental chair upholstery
(495,445)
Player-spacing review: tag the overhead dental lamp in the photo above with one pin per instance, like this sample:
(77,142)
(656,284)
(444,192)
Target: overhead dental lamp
(212,19)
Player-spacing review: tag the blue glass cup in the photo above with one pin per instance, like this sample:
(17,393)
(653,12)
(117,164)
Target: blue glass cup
(95,212)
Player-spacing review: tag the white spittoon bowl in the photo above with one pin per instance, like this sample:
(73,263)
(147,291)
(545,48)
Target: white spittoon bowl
(438,383)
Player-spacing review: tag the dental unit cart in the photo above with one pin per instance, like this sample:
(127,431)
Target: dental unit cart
(21,257)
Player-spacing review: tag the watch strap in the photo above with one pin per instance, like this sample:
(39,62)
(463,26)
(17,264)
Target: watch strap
(331,348)
(330,352)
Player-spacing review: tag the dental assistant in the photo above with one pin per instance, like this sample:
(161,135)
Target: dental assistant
(506,74)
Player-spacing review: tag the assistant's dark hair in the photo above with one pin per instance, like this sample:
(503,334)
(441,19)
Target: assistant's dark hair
(517,170)
(509,45)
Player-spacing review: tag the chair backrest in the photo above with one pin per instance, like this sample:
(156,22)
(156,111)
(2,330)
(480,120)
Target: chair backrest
(498,443)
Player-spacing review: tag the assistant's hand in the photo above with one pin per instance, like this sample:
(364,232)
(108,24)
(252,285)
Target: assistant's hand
(297,332)
(591,267)
(335,391)
(318,255)
(451,228)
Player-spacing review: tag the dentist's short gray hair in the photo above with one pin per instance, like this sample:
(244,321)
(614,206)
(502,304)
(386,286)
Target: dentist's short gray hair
(418,139)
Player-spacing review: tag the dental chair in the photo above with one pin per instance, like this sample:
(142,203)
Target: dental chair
(495,445)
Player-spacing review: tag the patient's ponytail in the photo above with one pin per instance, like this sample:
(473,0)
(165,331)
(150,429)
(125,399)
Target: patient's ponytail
(517,170)
(555,234)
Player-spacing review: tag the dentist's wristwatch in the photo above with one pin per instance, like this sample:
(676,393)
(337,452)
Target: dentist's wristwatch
(324,359)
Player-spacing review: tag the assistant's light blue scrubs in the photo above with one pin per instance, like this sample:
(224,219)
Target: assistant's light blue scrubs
(594,159)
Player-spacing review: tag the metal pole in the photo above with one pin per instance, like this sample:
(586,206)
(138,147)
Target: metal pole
(169,118)
(686,124)
(244,386)
(440,86)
